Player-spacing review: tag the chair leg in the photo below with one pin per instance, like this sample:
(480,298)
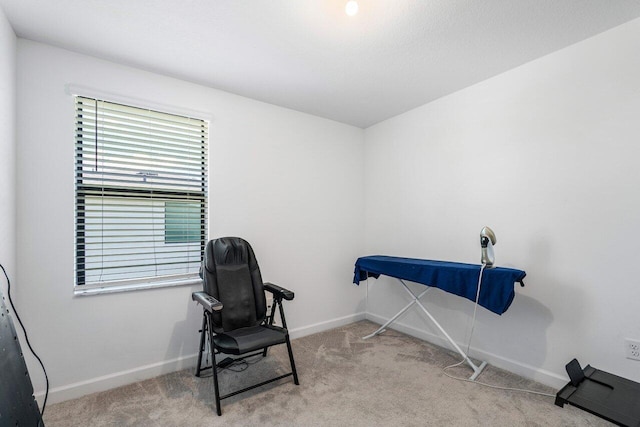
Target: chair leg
(293,364)
(214,367)
(203,333)
(215,385)
(271,319)
(284,325)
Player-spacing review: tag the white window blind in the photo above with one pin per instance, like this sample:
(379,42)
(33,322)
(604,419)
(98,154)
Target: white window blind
(141,195)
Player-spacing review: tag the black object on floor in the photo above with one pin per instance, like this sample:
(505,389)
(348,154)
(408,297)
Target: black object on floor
(18,407)
(605,395)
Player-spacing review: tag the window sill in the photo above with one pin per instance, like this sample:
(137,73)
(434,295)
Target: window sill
(88,290)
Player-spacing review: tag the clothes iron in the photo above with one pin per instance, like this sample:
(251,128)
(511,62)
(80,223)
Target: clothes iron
(487,240)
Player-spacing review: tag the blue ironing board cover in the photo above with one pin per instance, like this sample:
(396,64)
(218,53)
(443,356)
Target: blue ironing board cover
(496,293)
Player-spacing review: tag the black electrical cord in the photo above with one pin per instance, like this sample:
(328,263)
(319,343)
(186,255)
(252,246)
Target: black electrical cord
(46,394)
(241,364)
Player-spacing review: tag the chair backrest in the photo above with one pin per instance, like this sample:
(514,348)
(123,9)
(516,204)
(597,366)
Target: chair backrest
(232,276)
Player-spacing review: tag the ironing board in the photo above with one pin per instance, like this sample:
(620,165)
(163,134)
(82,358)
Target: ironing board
(496,290)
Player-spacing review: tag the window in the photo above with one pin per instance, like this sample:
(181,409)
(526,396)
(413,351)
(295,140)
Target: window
(181,222)
(141,196)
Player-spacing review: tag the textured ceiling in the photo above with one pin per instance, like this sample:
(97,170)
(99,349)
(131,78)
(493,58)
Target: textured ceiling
(308,55)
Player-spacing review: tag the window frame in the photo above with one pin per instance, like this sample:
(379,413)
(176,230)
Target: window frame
(200,197)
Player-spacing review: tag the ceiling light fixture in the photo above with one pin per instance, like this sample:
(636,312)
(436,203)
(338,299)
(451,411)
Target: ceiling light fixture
(351,8)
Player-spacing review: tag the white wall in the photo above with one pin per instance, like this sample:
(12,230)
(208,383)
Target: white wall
(288,182)
(547,155)
(7,151)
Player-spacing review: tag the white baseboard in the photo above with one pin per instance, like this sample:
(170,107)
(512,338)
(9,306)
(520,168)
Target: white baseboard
(118,379)
(540,375)
(106,382)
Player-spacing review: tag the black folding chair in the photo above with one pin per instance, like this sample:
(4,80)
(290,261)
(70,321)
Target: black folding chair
(235,318)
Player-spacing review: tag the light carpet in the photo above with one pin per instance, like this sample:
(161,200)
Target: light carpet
(391,380)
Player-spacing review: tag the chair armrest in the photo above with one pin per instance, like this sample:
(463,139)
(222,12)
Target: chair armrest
(208,302)
(279,291)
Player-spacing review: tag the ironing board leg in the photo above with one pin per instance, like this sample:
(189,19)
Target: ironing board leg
(416,300)
(476,369)
(398,314)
